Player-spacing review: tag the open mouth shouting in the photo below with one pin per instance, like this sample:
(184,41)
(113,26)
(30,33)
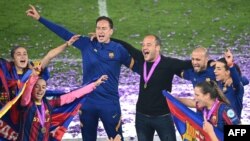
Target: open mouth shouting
(145,53)
(21,63)
(39,95)
(101,37)
(197,68)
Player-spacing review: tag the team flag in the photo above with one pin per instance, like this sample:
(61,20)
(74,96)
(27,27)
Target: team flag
(61,118)
(188,123)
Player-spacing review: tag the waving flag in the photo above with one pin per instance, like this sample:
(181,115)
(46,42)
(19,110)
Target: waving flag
(61,118)
(9,104)
(63,115)
(188,123)
(8,79)
(8,128)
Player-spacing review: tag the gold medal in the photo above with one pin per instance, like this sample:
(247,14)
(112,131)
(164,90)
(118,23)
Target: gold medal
(43,130)
(147,76)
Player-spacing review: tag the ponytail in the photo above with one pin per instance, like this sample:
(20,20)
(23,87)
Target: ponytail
(210,87)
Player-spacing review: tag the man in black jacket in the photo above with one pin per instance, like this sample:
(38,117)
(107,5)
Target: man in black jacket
(157,72)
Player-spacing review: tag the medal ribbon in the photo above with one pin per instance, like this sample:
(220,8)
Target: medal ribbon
(41,115)
(146,78)
(208,115)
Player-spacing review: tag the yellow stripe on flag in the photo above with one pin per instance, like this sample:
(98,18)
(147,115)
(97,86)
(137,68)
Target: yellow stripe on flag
(8,105)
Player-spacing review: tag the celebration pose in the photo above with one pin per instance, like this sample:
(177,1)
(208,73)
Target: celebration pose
(211,102)
(157,72)
(226,69)
(36,109)
(101,56)
(13,71)
(14,75)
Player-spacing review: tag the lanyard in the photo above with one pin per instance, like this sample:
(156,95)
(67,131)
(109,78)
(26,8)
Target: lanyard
(41,115)
(208,114)
(146,78)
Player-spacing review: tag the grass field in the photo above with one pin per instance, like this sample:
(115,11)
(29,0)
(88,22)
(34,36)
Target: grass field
(181,24)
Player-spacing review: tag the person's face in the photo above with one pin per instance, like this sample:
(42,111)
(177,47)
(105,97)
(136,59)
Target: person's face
(221,74)
(39,90)
(103,31)
(150,50)
(20,58)
(200,98)
(199,61)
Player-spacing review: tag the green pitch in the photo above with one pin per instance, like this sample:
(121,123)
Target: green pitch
(181,24)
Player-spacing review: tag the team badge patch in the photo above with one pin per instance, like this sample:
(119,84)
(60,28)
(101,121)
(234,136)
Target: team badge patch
(230,113)
(111,55)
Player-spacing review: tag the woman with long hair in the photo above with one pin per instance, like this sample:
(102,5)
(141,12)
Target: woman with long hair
(36,110)
(226,69)
(214,106)
(14,70)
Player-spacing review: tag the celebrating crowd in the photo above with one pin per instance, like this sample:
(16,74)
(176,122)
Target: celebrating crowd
(31,116)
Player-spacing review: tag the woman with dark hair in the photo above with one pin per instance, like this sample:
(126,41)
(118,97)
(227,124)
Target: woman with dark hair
(226,69)
(211,102)
(14,74)
(36,109)
(14,70)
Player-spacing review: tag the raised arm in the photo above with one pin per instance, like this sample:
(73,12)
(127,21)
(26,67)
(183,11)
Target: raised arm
(26,97)
(182,65)
(135,53)
(56,51)
(59,30)
(233,72)
(188,102)
(70,97)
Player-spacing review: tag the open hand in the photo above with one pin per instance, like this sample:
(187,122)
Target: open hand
(73,39)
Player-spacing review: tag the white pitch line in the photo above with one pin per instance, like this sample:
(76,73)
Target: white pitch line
(102,8)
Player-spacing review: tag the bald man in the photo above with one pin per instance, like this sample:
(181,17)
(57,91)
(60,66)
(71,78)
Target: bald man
(157,72)
(199,59)
(201,69)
